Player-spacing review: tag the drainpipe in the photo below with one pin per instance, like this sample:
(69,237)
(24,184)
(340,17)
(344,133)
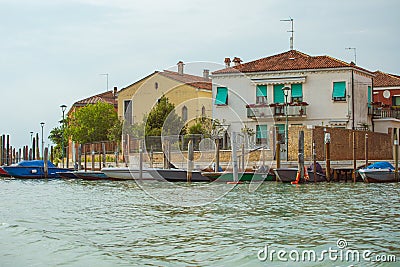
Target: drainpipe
(352,99)
(372,99)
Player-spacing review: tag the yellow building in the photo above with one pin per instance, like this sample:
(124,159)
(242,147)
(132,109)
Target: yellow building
(190,94)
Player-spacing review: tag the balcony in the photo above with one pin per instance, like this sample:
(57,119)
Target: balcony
(294,109)
(384,112)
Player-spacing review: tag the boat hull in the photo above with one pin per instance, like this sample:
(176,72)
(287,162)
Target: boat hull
(3,173)
(25,172)
(91,175)
(127,174)
(242,176)
(288,175)
(177,175)
(378,175)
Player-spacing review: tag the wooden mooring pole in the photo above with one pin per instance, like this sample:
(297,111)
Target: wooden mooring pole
(301,155)
(314,161)
(396,155)
(354,157)
(216,169)
(278,155)
(190,161)
(140,159)
(327,139)
(45,159)
(234,158)
(366,149)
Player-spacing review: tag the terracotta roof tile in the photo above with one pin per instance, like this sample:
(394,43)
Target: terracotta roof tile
(383,79)
(107,97)
(290,60)
(192,80)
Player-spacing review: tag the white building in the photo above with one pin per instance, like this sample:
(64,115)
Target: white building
(319,90)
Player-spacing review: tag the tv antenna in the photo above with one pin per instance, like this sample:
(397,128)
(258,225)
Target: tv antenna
(355,53)
(291,31)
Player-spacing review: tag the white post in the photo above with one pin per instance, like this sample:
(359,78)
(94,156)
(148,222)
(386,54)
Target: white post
(234,157)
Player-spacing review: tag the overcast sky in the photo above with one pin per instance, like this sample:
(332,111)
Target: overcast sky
(53,51)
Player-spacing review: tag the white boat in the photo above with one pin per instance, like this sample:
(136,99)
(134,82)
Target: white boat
(379,172)
(378,175)
(126,173)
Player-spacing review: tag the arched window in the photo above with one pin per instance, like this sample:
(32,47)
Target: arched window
(203,111)
(184,113)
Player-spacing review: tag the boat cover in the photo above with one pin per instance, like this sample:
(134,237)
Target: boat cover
(381,165)
(35,163)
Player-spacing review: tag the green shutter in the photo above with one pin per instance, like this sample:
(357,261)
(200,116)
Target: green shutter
(279,97)
(339,89)
(297,90)
(261,131)
(222,96)
(261,90)
(369,96)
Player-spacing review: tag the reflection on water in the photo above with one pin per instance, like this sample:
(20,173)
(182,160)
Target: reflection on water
(101,223)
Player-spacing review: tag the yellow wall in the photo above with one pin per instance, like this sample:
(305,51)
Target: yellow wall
(145,95)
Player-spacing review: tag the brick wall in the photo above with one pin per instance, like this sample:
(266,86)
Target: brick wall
(379,144)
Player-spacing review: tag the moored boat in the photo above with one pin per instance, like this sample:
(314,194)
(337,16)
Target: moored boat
(126,173)
(91,175)
(177,175)
(67,175)
(379,172)
(288,175)
(242,176)
(3,173)
(33,169)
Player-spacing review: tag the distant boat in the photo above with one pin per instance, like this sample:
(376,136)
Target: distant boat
(31,169)
(91,175)
(126,173)
(288,175)
(379,172)
(242,176)
(177,175)
(3,173)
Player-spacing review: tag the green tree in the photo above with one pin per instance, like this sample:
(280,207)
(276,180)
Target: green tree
(202,126)
(162,120)
(93,123)
(56,137)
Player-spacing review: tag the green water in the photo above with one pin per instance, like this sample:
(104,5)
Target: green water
(102,223)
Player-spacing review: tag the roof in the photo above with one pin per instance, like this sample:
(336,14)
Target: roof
(383,79)
(290,60)
(106,97)
(192,80)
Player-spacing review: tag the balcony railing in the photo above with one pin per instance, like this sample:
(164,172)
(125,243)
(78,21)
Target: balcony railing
(383,112)
(295,109)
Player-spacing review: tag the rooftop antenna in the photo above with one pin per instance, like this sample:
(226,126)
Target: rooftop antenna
(355,53)
(292,31)
(105,74)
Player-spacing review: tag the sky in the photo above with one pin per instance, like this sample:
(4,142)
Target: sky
(53,52)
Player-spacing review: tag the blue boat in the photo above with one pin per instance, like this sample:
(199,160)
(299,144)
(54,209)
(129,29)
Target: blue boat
(33,169)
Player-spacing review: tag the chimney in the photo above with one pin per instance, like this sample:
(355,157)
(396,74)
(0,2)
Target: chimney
(206,74)
(180,67)
(236,61)
(115,90)
(227,62)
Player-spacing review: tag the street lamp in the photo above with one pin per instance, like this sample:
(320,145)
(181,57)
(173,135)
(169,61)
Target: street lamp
(286,90)
(63,108)
(42,124)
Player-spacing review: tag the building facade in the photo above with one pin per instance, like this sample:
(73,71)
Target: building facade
(271,94)
(385,107)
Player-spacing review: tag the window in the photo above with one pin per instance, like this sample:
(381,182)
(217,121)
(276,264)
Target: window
(184,113)
(297,92)
(222,96)
(279,97)
(261,134)
(128,112)
(280,128)
(203,111)
(156,85)
(261,94)
(369,96)
(339,91)
(396,100)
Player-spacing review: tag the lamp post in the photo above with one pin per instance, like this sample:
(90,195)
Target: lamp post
(63,108)
(286,90)
(42,125)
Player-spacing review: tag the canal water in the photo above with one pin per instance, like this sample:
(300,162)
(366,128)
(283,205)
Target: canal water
(103,223)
